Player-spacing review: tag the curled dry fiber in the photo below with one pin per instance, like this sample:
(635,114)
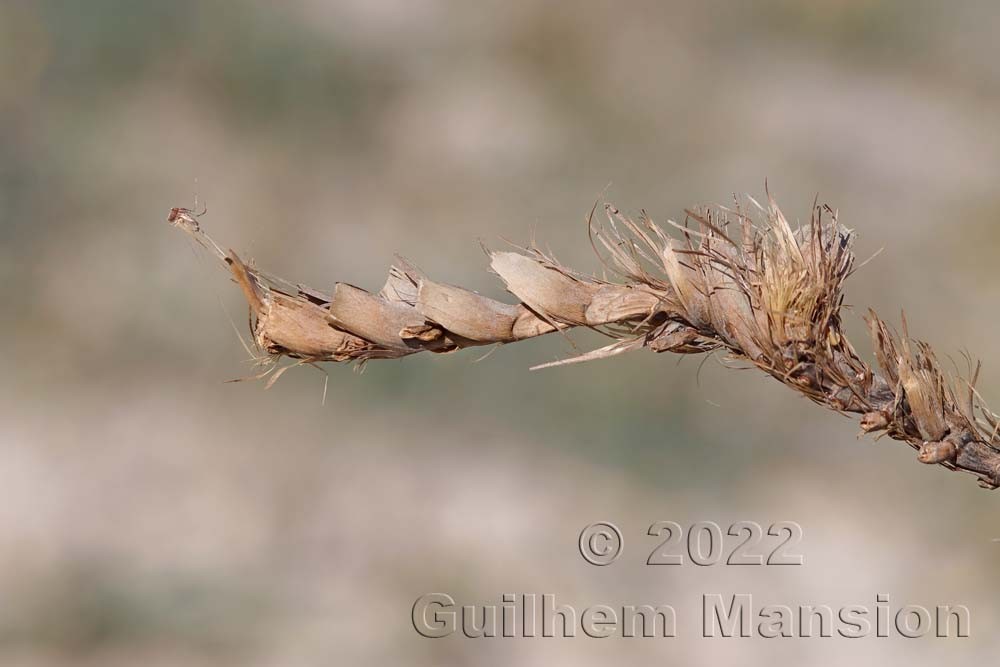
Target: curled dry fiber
(741,280)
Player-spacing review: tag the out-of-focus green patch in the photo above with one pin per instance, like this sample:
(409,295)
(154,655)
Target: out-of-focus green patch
(871,26)
(255,63)
(90,609)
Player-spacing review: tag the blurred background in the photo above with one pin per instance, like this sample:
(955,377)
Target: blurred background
(150,512)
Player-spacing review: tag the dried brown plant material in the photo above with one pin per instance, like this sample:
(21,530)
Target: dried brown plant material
(742,280)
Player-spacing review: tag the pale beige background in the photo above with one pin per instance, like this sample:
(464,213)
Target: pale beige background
(150,514)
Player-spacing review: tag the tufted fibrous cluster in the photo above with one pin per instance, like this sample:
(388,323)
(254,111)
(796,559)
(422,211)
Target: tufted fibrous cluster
(741,280)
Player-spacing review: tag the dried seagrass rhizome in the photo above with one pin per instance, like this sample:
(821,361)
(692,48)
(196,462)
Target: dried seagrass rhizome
(741,280)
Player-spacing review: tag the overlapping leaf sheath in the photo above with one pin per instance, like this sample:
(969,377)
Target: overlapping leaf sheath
(741,280)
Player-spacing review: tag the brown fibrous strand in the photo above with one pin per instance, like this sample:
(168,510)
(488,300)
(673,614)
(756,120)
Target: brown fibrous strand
(740,279)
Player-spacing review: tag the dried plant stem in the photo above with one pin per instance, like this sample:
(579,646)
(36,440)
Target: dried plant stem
(739,279)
